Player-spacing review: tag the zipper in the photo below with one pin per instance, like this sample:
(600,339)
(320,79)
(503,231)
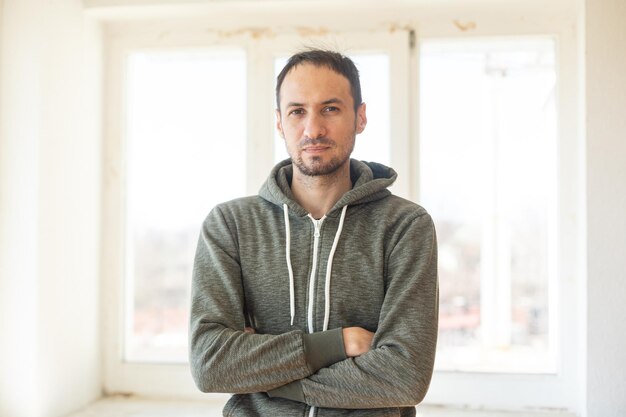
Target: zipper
(317,224)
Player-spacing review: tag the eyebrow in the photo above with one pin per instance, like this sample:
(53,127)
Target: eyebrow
(329,101)
(333,101)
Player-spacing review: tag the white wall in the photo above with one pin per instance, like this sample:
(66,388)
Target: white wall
(605,65)
(49,208)
(18,211)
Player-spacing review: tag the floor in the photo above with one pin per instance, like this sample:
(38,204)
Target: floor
(140,407)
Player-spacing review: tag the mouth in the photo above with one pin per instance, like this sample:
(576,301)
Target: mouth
(315,149)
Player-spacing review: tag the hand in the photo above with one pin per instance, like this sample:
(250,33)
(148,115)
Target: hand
(249,330)
(356,341)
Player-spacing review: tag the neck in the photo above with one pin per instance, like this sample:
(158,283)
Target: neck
(318,194)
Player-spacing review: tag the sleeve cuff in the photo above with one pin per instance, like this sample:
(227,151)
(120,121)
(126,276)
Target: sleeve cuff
(323,349)
(292,391)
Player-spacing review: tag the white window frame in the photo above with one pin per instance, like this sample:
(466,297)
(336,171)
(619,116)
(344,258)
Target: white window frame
(519,391)
(476,390)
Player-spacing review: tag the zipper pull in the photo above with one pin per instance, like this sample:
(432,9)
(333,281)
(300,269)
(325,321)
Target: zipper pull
(317,224)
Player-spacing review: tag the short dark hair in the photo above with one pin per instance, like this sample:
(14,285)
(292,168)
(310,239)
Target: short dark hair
(335,61)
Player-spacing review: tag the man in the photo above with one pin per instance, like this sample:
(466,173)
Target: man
(318,296)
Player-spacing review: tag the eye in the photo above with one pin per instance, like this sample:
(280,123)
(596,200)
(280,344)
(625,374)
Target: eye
(330,109)
(296,112)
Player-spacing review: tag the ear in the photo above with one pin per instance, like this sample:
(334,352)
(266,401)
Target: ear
(361,118)
(279,124)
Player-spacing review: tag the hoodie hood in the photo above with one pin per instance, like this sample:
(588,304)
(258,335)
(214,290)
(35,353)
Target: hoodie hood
(370,181)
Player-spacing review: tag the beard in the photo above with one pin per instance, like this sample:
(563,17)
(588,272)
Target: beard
(316,166)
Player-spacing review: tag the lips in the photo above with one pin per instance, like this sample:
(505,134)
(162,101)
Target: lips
(314,149)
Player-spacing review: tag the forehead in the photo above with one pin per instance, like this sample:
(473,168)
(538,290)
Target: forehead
(308,83)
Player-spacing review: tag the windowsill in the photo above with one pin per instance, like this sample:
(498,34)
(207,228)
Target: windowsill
(123,406)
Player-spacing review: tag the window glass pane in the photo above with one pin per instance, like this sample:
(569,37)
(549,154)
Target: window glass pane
(488,176)
(186,123)
(374,143)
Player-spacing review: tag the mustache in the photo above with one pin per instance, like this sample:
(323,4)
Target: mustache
(316,141)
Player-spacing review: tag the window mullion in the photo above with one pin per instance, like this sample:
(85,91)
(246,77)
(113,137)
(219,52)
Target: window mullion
(260,150)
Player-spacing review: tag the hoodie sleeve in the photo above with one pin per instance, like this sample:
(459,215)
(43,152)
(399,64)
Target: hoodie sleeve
(397,371)
(223,357)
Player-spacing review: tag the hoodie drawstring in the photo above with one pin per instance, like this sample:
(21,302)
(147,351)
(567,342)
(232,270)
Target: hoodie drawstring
(292,303)
(329,269)
(329,266)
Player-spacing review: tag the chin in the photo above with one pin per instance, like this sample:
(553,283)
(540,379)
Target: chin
(316,167)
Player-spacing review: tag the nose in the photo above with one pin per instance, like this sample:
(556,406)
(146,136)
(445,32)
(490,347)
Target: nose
(314,126)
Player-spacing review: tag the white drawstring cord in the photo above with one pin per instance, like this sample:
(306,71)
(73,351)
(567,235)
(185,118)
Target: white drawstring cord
(292,303)
(329,268)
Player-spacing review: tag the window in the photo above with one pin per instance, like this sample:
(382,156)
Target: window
(488,145)
(492,108)
(186,129)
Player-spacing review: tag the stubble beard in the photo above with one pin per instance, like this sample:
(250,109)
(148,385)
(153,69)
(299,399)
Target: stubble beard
(317,167)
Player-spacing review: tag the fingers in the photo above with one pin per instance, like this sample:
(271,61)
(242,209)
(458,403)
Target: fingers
(356,341)
(249,330)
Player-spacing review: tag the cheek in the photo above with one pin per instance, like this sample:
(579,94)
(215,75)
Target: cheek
(346,131)
(291,141)
(292,130)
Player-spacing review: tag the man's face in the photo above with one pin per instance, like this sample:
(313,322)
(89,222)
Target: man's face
(317,119)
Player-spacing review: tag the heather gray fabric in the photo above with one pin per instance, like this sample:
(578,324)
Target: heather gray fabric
(384,279)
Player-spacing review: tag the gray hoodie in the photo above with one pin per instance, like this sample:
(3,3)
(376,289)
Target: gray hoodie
(264,262)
